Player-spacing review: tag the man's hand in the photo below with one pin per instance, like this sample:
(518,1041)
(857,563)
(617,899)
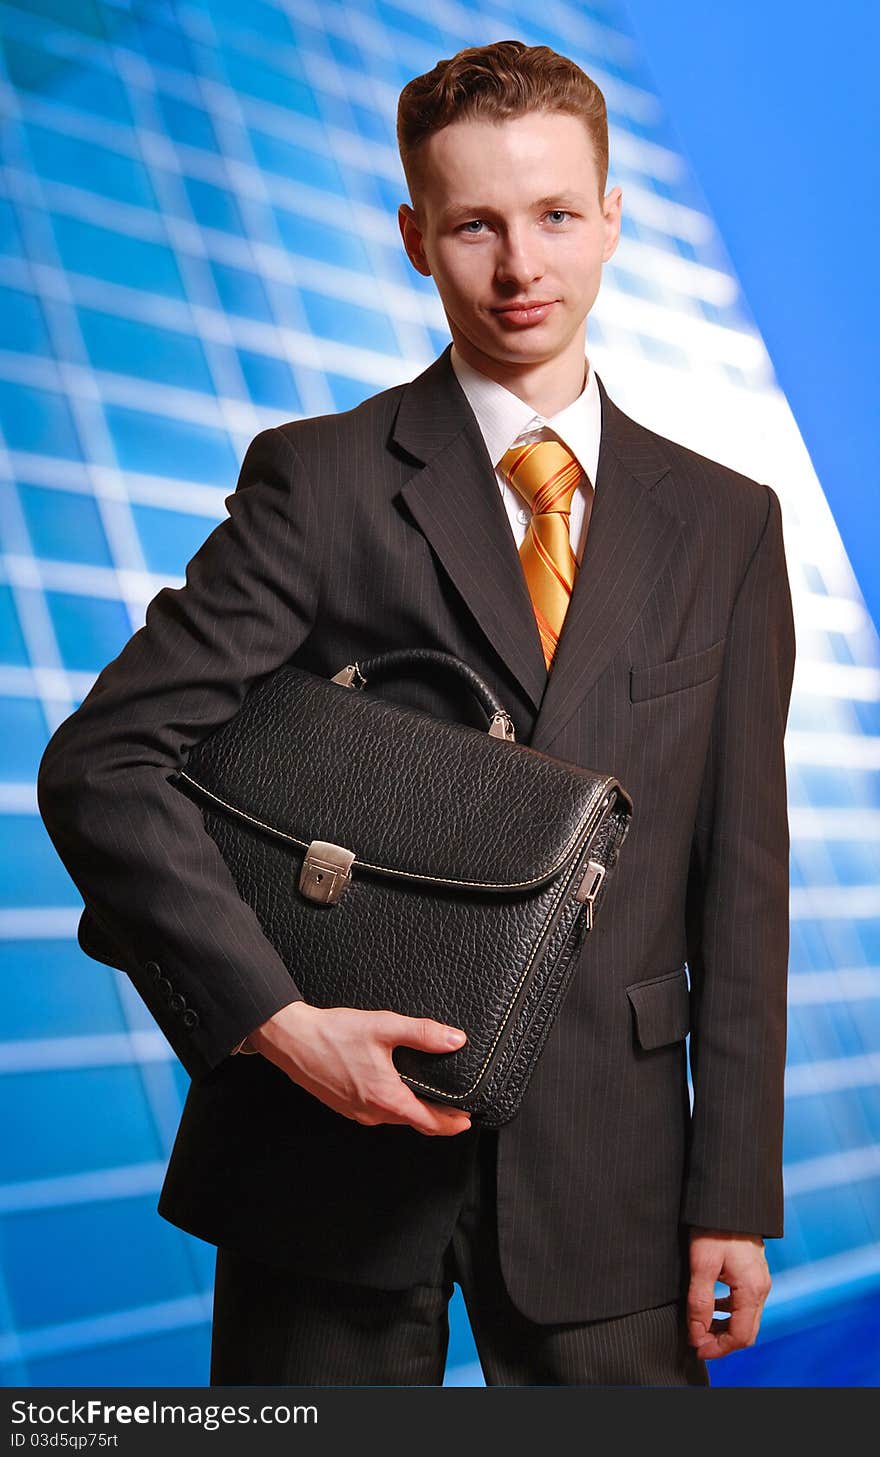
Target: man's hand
(343,1057)
(738,1260)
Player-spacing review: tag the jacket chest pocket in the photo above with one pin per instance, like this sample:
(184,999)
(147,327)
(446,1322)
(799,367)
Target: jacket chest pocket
(656,680)
(661,1008)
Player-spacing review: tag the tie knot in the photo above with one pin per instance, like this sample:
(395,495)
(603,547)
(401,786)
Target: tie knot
(545,474)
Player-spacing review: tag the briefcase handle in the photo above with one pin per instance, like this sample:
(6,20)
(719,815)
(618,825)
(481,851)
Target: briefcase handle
(419,660)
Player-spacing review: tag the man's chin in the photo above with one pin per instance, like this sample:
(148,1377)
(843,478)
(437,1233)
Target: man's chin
(533,345)
(493,344)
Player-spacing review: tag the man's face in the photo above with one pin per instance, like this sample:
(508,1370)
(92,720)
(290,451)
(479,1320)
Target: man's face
(509,212)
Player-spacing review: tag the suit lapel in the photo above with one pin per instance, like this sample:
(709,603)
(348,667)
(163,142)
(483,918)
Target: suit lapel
(630,537)
(455,501)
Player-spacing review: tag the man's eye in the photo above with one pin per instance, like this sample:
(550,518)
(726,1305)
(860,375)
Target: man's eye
(473,224)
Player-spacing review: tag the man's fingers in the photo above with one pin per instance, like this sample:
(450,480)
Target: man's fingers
(739,1330)
(723,1341)
(421,1032)
(449,1123)
(429,1117)
(700,1305)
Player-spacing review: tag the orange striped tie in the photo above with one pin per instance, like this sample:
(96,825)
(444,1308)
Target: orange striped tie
(546,475)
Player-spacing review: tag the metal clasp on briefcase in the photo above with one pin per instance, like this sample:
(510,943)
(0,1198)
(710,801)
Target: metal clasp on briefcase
(326,871)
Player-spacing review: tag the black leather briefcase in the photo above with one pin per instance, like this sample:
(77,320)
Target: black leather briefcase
(400,861)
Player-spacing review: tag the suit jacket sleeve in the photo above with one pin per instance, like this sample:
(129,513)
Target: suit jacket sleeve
(160,902)
(738,913)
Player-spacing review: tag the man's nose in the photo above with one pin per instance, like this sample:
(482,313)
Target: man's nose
(520,259)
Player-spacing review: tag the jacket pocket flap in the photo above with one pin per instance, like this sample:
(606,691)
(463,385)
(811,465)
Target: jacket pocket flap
(687,672)
(662,1008)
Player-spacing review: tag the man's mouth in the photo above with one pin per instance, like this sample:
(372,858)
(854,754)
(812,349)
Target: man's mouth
(525,311)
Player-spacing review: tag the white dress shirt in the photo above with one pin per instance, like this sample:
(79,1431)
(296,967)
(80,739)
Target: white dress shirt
(504,420)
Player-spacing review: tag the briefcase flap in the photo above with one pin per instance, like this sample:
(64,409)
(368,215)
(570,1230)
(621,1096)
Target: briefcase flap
(409,793)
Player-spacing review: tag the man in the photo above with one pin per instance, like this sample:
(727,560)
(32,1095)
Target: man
(637,621)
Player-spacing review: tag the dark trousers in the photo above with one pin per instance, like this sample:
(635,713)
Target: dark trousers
(274,1326)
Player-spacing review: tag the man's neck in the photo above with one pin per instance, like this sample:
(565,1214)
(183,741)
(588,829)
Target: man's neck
(548,385)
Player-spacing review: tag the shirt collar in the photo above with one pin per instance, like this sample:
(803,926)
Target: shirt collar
(503,417)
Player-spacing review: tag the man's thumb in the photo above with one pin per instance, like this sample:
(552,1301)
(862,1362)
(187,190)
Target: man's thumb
(425,1033)
(700,1308)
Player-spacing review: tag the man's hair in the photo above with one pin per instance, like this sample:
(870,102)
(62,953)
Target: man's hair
(491,83)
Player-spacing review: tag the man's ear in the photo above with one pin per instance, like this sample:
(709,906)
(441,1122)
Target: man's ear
(611,210)
(412,238)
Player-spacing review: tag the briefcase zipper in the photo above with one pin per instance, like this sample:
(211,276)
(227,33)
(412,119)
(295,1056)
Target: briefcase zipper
(484,1072)
(589,889)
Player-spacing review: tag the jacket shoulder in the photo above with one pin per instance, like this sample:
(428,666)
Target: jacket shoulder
(702,486)
(367,422)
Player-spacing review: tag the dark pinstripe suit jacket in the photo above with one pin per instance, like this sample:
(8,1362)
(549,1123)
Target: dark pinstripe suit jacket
(383,527)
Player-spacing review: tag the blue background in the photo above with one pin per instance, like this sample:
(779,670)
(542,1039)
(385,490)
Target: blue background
(198,239)
(778,109)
